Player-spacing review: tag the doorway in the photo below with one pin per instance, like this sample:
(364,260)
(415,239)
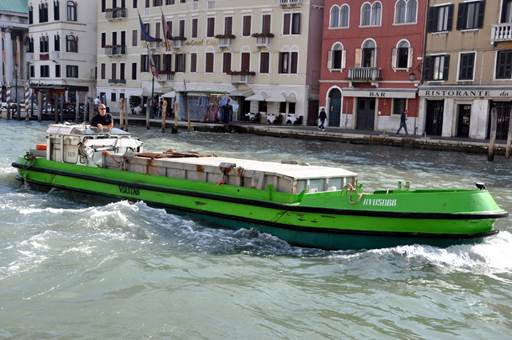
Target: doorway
(503,111)
(365,114)
(464,119)
(334,107)
(434,123)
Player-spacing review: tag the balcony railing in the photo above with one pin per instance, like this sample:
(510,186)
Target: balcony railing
(263,40)
(178,42)
(165,75)
(44,56)
(241,77)
(225,40)
(501,32)
(116,13)
(290,3)
(364,74)
(115,51)
(117,81)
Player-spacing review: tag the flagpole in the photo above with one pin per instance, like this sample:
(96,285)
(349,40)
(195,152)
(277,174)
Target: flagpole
(151,101)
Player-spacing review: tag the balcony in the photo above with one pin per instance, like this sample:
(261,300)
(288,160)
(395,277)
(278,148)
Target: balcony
(44,56)
(225,40)
(501,32)
(165,75)
(117,81)
(116,13)
(290,3)
(364,74)
(263,40)
(178,42)
(241,77)
(115,51)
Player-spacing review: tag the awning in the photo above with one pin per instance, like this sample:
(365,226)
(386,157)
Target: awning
(258,97)
(276,98)
(241,93)
(380,93)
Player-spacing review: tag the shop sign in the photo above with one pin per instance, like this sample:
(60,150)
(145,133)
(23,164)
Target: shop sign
(465,93)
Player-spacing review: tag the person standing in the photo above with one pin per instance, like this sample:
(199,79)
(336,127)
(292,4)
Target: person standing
(322,117)
(403,123)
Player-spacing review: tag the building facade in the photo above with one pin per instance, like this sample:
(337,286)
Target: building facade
(13,32)
(61,47)
(260,53)
(371,63)
(467,68)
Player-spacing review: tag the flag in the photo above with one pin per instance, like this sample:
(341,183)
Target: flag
(145,34)
(152,65)
(165,29)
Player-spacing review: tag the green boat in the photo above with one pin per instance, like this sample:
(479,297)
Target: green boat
(312,206)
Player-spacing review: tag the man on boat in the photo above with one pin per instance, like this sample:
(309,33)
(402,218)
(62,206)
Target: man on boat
(102,119)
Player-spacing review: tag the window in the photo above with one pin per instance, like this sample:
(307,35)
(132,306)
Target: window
(264,62)
(113,97)
(122,71)
(371,14)
(193,62)
(134,38)
(226,62)
(43,44)
(103,6)
(334,20)
(56,10)
(102,71)
(504,65)
(506,11)
(103,39)
(30,45)
(288,62)
(144,63)
(180,62)
(56,42)
(246,25)
(470,15)
(245,61)
(291,23)
(466,66)
(228,25)
(344,16)
(44,71)
(440,18)
(209,62)
(402,55)
(71,11)
(405,11)
(158,30)
(71,44)
(135,4)
(32,71)
(181,32)
(72,71)
(31,15)
(369,54)
(168,24)
(114,71)
(336,57)
(194,27)
(266,20)
(210,27)
(436,67)
(399,105)
(134,71)
(57,71)
(43,12)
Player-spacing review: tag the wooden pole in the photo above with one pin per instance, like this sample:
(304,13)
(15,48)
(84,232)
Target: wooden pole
(91,110)
(492,140)
(509,137)
(176,113)
(77,106)
(121,113)
(164,114)
(39,105)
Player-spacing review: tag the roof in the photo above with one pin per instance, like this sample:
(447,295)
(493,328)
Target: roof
(295,171)
(18,6)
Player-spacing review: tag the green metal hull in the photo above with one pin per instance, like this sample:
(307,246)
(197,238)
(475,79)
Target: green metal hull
(330,220)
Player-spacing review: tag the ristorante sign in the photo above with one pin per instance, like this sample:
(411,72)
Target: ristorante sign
(466,93)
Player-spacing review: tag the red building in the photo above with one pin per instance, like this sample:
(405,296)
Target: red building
(371,62)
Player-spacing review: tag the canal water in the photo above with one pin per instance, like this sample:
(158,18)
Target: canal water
(79,267)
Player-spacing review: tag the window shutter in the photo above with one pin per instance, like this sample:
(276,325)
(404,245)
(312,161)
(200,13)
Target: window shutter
(481,14)
(329,60)
(410,58)
(286,23)
(357,62)
(294,62)
(461,16)
(427,68)
(432,19)
(450,17)
(393,58)
(446,68)
(343,59)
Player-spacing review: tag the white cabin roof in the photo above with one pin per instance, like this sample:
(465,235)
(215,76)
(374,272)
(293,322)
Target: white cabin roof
(296,171)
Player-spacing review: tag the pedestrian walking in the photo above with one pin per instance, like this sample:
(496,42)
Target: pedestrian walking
(403,123)
(322,117)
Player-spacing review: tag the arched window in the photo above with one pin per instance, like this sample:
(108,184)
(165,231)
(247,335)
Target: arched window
(336,58)
(412,5)
(344,15)
(402,55)
(366,13)
(71,43)
(71,11)
(335,17)
(376,14)
(400,12)
(369,53)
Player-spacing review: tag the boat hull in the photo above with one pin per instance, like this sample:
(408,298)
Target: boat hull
(305,226)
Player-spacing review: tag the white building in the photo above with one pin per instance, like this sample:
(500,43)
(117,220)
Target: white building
(62,36)
(13,30)
(263,54)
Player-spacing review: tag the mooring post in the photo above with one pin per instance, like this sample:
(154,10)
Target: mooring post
(164,114)
(39,105)
(492,140)
(509,137)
